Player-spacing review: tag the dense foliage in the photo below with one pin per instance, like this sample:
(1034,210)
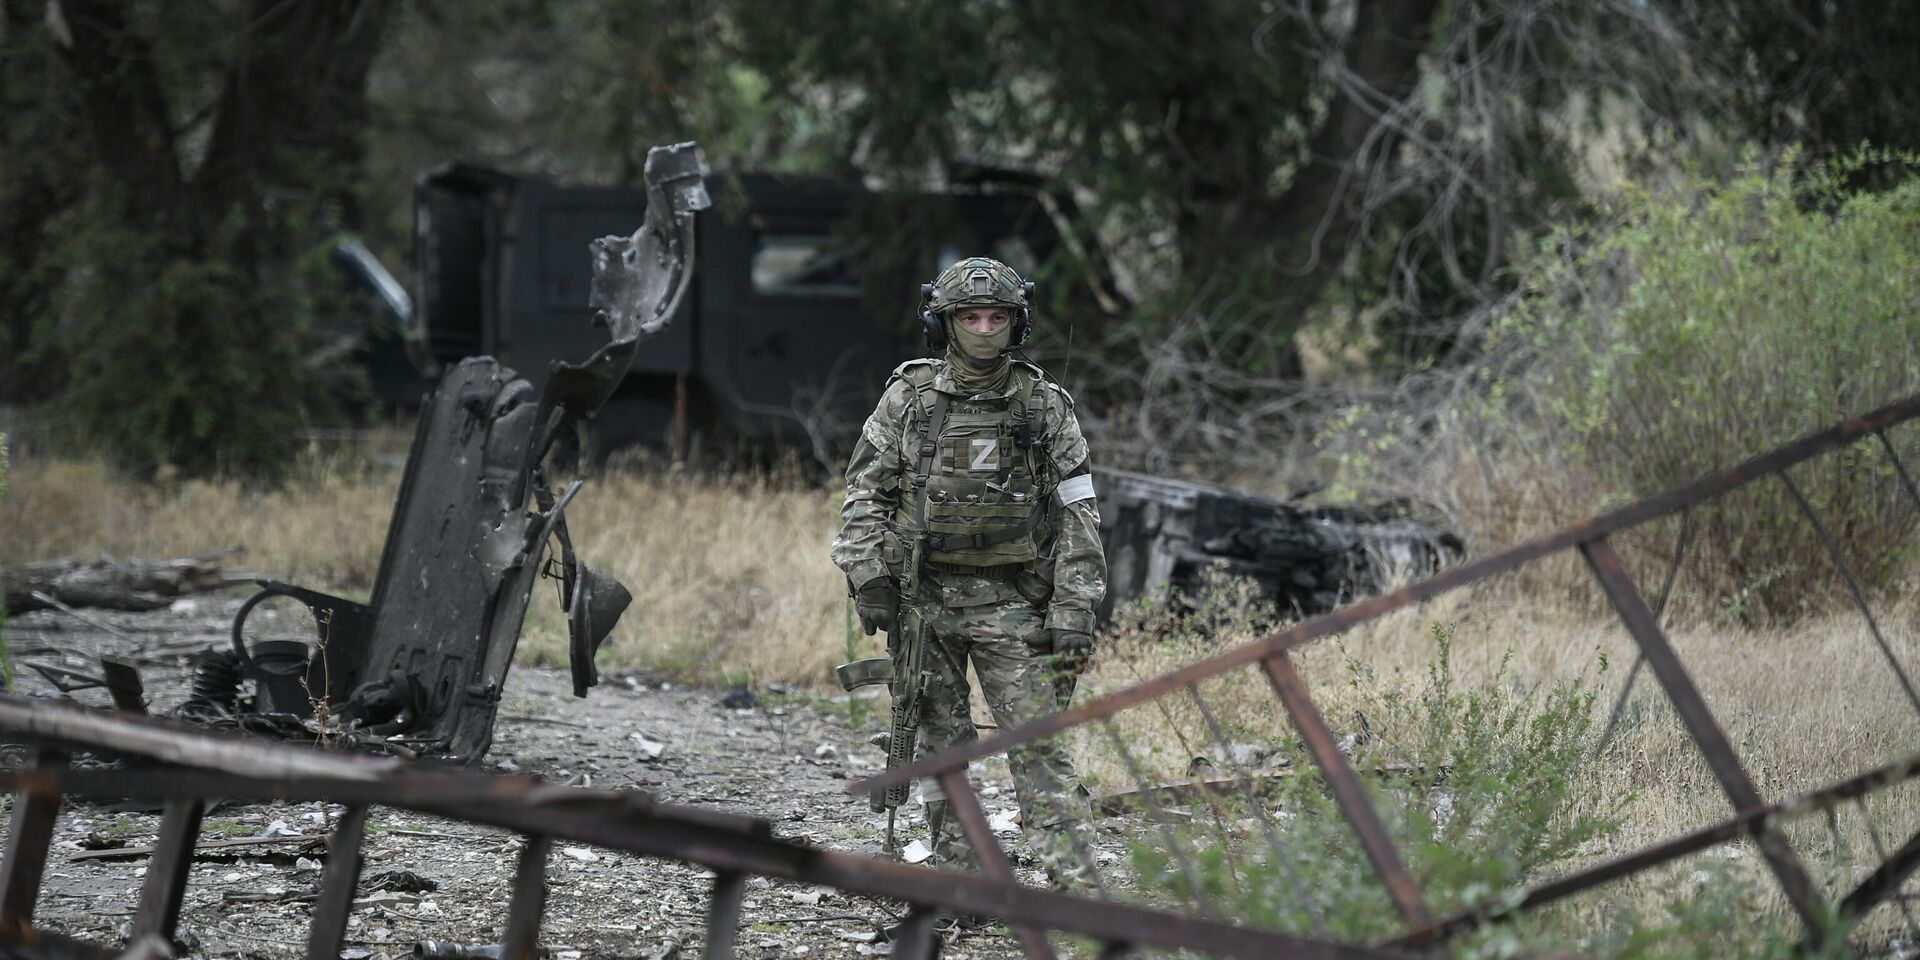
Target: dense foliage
(1700,325)
(1256,168)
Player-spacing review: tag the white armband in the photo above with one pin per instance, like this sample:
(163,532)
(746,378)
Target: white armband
(1075,489)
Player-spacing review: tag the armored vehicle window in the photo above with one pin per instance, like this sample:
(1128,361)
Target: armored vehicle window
(793,263)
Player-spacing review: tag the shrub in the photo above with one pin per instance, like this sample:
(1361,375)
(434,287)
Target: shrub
(1706,324)
(203,361)
(1691,327)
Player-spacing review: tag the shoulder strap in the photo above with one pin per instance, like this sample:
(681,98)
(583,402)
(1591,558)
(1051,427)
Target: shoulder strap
(1026,433)
(930,427)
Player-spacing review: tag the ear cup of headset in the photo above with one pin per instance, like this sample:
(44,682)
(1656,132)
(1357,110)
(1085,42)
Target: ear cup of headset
(1023,321)
(931,326)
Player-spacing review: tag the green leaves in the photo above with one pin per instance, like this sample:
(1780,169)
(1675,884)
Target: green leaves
(1705,323)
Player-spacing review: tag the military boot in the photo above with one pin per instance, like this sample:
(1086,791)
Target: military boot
(950,846)
(1066,852)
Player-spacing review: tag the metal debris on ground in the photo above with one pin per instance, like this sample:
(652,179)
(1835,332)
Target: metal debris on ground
(1164,536)
(182,767)
(418,670)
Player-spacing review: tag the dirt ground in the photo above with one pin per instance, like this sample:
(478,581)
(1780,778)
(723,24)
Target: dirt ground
(786,758)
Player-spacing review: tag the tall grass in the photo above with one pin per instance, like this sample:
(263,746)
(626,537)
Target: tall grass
(729,575)
(1489,704)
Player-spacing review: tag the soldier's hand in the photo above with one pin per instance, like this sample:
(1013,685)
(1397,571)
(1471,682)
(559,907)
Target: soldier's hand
(1072,649)
(878,605)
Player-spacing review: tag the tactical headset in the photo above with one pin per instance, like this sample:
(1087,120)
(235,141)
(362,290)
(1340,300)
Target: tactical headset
(935,329)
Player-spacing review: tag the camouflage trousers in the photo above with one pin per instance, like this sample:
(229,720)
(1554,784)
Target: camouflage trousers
(1006,641)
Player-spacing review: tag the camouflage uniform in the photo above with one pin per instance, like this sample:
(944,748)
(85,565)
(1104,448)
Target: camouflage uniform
(997,616)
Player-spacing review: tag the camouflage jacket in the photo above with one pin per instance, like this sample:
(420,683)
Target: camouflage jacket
(1069,578)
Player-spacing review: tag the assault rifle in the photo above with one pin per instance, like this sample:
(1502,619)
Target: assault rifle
(905,673)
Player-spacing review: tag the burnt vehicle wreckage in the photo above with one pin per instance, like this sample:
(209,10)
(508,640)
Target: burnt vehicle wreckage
(421,666)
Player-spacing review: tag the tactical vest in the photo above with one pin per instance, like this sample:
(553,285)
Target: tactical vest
(976,460)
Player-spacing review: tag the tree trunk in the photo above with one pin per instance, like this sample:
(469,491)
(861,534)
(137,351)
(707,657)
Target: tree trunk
(1306,231)
(214,258)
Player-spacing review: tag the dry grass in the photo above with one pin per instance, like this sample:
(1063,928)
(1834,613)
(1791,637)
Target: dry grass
(325,529)
(1804,704)
(730,577)
(731,582)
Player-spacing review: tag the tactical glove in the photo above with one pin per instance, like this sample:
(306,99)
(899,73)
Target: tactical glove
(878,605)
(1071,649)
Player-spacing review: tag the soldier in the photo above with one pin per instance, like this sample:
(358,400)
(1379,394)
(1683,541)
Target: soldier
(981,454)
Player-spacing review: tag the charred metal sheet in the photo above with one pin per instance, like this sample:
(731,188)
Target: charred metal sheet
(423,663)
(1164,536)
(1753,816)
(186,764)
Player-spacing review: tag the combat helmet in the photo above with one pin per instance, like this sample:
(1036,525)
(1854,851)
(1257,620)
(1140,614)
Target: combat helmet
(974,282)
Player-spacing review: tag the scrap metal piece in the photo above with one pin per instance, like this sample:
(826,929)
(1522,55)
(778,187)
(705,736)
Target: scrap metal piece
(344,863)
(426,658)
(119,676)
(639,280)
(1699,721)
(1365,821)
(122,679)
(29,836)
(166,881)
(596,605)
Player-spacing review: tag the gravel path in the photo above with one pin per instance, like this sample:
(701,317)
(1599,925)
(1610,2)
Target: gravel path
(787,759)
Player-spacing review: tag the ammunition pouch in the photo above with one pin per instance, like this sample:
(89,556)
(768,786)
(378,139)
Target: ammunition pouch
(977,523)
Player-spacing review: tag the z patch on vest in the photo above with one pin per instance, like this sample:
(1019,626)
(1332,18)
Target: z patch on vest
(983,451)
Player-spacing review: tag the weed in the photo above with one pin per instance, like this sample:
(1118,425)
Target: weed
(1488,802)
(123,827)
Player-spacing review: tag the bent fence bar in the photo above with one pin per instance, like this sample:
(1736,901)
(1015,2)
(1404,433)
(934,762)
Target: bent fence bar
(1752,816)
(184,768)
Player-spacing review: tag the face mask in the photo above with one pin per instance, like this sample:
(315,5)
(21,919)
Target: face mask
(982,347)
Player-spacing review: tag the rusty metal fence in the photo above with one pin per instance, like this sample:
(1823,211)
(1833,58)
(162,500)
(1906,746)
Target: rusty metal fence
(129,756)
(1421,927)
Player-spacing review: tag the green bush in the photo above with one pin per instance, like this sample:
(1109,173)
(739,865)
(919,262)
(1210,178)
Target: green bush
(1703,324)
(1484,799)
(204,359)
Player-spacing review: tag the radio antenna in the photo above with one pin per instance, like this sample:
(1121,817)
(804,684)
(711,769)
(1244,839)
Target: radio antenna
(1067,366)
